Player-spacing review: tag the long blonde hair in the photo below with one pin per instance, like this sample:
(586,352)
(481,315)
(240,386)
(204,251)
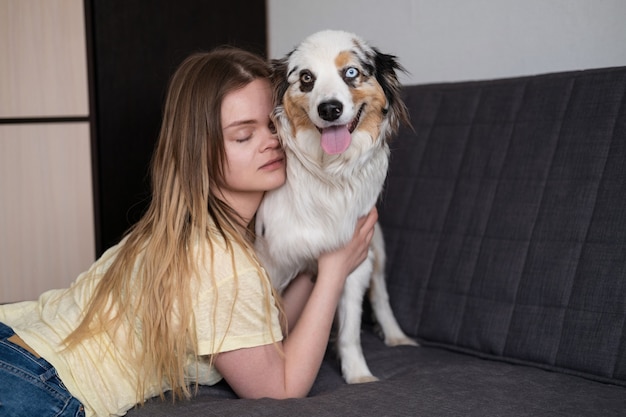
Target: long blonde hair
(187,165)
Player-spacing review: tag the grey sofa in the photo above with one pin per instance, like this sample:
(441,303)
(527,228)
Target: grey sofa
(505,221)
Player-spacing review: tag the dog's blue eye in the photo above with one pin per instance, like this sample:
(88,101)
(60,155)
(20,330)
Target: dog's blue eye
(351,72)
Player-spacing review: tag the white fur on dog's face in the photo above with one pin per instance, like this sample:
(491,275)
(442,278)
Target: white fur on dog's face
(333,69)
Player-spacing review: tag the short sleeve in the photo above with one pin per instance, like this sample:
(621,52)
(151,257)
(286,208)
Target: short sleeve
(241,314)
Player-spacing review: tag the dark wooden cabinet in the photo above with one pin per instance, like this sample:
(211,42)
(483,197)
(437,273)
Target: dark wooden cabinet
(133,48)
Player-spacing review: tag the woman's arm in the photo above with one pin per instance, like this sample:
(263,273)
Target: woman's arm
(264,371)
(295,297)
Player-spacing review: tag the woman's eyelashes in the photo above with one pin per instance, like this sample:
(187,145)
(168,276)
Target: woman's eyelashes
(243,135)
(241,140)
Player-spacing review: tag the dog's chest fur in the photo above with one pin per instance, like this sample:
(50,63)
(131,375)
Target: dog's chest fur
(319,203)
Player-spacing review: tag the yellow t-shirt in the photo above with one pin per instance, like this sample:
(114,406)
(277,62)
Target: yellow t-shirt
(97,372)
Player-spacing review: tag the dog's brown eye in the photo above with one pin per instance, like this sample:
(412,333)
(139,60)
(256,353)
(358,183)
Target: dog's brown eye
(306,77)
(307,81)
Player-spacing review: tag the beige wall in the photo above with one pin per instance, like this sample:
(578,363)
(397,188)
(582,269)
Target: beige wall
(46,203)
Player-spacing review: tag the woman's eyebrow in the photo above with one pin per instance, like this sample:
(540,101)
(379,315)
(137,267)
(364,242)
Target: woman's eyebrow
(238,123)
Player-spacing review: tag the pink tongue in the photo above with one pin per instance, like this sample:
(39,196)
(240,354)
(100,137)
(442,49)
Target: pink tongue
(335,139)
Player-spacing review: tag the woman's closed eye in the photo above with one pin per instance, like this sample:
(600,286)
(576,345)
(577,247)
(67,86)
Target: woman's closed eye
(243,134)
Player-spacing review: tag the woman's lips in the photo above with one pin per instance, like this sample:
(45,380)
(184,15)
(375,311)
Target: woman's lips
(273,164)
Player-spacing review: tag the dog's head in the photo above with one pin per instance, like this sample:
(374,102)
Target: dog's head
(340,90)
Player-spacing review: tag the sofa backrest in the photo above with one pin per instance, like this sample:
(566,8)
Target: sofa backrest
(504,216)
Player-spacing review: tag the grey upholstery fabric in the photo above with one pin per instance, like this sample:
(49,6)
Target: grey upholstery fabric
(505,219)
(421,382)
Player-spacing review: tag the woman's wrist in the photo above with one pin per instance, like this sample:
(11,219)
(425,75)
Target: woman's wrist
(333,276)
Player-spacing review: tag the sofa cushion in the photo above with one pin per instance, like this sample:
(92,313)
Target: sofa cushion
(505,220)
(418,382)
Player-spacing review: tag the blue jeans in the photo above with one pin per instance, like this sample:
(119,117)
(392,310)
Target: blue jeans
(30,386)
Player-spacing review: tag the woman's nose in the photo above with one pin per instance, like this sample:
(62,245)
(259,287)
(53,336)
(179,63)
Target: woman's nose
(271,140)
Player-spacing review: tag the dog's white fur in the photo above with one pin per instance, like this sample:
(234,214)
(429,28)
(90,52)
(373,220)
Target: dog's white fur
(324,195)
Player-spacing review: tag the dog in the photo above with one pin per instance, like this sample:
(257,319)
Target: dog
(338,104)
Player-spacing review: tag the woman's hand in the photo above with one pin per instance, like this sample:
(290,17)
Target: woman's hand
(346,259)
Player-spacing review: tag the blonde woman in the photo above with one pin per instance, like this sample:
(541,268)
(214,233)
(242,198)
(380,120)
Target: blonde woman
(182,299)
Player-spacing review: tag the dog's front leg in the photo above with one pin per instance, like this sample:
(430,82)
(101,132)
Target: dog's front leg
(353,365)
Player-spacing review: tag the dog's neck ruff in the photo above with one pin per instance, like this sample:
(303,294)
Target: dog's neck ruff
(296,156)
(332,171)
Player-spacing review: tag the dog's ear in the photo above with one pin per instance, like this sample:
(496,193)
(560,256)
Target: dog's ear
(279,79)
(386,67)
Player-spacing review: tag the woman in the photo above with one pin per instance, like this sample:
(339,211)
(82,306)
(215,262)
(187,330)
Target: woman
(182,299)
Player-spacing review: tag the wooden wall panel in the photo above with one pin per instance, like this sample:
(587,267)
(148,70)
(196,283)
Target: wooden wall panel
(46,209)
(46,200)
(43,70)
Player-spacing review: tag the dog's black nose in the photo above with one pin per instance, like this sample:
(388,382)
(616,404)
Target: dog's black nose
(330,110)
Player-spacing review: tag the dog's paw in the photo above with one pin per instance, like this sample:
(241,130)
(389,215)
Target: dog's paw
(361,379)
(401,341)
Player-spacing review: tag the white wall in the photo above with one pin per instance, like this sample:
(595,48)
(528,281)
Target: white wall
(453,40)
